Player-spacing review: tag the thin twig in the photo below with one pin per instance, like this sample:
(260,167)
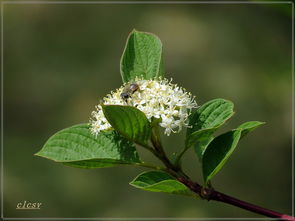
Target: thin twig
(178,157)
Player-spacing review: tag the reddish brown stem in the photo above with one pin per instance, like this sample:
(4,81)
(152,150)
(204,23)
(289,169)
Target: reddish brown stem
(221,197)
(209,193)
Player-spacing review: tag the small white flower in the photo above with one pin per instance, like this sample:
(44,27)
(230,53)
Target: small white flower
(156,98)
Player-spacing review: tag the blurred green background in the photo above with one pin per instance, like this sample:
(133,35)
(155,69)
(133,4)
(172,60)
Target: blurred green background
(60,60)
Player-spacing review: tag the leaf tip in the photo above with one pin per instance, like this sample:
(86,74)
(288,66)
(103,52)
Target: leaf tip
(132,183)
(37,154)
(133,30)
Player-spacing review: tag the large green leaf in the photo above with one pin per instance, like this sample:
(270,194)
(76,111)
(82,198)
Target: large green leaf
(221,148)
(205,121)
(76,146)
(142,57)
(128,121)
(157,181)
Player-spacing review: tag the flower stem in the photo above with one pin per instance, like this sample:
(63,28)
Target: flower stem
(159,150)
(178,157)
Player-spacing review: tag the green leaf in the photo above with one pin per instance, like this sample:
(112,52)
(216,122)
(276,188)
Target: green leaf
(212,114)
(249,126)
(157,181)
(77,146)
(221,148)
(96,163)
(218,152)
(142,57)
(201,140)
(205,121)
(128,121)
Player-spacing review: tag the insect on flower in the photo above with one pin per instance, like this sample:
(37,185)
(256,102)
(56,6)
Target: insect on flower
(128,91)
(157,98)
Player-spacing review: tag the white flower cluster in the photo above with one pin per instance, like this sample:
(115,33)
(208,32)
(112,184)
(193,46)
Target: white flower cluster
(156,98)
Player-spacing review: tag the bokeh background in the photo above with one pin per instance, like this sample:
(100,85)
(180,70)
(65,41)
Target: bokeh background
(60,60)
